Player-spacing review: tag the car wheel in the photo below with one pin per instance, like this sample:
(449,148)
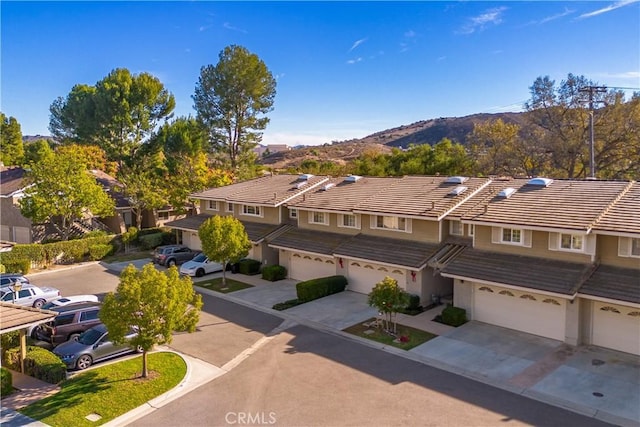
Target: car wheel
(38,303)
(200,272)
(73,337)
(171,263)
(139,349)
(84,362)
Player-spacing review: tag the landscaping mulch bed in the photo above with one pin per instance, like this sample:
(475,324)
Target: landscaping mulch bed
(406,337)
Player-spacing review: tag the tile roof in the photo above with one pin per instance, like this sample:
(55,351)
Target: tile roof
(301,239)
(11,180)
(14,317)
(566,204)
(615,283)
(405,253)
(624,215)
(256,231)
(424,196)
(560,277)
(270,190)
(112,187)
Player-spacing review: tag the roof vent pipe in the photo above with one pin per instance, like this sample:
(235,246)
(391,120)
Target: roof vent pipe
(486,208)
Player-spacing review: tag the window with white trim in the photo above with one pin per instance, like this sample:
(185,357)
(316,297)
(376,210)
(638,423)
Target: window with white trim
(472,229)
(456,228)
(316,217)
(348,221)
(635,247)
(212,205)
(390,223)
(512,235)
(251,210)
(229,207)
(293,213)
(571,242)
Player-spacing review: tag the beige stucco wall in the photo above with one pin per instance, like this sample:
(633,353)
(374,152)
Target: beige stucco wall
(539,246)
(463,296)
(607,252)
(421,230)
(572,323)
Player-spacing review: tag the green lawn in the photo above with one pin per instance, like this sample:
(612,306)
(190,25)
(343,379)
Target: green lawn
(109,391)
(415,336)
(216,285)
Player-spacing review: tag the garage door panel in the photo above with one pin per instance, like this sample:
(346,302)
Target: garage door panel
(363,277)
(527,312)
(307,267)
(616,327)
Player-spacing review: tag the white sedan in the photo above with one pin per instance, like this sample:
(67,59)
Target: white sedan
(199,266)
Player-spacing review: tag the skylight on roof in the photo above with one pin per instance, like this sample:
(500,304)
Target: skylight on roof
(456,179)
(507,192)
(352,178)
(301,184)
(328,186)
(541,182)
(305,176)
(458,190)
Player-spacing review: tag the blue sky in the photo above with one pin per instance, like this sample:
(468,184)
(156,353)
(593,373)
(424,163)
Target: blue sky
(344,69)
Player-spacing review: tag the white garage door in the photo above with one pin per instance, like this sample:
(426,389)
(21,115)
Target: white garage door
(363,277)
(616,327)
(306,267)
(523,311)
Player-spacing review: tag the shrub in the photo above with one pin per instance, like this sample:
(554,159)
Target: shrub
(6,382)
(321,287)
(250,267)
(97,252)
(454,316)
(413,306)
(18,266)
(287,304)
(38,363)
(274,272)
(94,233)
(3,269)
(150,241)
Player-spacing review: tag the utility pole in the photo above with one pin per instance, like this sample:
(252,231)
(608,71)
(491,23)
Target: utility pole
(592,90)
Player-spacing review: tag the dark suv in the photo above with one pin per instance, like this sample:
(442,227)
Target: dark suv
(70,322)
(170,255)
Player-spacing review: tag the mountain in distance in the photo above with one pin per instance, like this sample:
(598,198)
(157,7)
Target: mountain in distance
(423,132)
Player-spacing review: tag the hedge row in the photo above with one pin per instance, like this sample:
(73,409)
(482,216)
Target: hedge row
(274,272)
(250,267)
(6,382)
(454,316)
(39,363)
(321,287)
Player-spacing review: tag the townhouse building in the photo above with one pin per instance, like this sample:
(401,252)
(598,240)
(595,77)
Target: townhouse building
(554,258)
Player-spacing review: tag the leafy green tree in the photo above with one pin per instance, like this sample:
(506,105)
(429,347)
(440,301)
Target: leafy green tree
(389,299)
(12,152)
(153,303)
(118,114)
(371,163)
(224,240)
(63,192)
(36,151)
(231,100)
(494,144)
(93,156)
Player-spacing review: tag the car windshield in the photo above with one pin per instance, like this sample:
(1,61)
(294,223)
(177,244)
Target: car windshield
(89,337)
(200,258)
(49,305)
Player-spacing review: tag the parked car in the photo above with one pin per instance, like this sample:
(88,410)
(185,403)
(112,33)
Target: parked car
(29,295)
(61,302)
(170,255)
(92,346)
(69,323)
(8,279)
(199,266)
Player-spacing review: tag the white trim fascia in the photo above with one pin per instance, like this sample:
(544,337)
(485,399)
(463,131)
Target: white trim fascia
(528,227)
(382,263)
(617,234)
(286,249)
(320,210)
(374,213)
(505,285)
(608,300)
(305,189)
(441,217)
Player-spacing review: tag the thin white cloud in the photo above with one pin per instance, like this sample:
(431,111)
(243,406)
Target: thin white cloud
(204,27)
(228,26)
(632,76)
(478,23)
(355,60)
(358,43)
(556,16)
(614,6)
(410,34)
(279,76)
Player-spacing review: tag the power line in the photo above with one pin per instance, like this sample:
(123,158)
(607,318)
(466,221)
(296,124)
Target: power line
(592,90)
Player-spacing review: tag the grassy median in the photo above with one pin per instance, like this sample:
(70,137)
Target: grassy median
(405,338)
(108,391)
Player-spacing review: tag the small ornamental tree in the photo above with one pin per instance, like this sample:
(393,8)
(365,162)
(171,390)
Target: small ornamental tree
(388,298)
(224,240)
(153,303)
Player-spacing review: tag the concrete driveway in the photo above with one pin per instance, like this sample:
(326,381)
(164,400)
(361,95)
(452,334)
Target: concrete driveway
(601,380)
(336,311)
